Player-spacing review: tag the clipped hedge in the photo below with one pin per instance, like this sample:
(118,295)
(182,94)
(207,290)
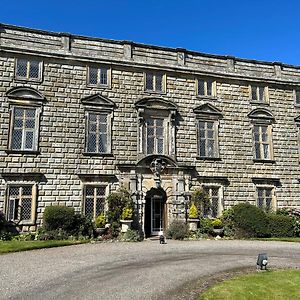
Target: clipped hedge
(250,221)
(58,217)
(280,226)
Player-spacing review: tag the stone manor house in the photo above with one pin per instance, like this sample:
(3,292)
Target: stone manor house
(83,116)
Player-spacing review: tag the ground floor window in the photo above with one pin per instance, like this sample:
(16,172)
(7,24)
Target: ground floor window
(216,201)
(265,198)
(94,200)
(20,203)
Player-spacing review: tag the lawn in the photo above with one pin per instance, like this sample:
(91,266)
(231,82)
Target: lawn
(15,246)
(275,285)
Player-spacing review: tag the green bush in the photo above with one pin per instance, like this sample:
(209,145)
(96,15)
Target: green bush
(47,235)
(126,213)
(177,230)
(217,223)
(281,225)
(250,221)
(81,226)
(202,201)
(228,223)
(131,236)
(116,203)
(58,217)
(2,220)
(206,226)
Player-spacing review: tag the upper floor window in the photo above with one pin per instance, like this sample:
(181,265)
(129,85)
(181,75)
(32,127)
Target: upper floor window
(98,76)
(23,129)
(97,132)
(155,135)
(99,114)
(154,82)
(94,200)
(206,87)
(156,126)
(207,130)
(262,120)
(28,69)
(262,141)
(259,93)
(297,96)
(25,110)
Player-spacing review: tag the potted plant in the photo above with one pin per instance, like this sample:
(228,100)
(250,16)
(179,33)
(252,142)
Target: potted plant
(193,217)
(100,223)
(217,226)
(126,219)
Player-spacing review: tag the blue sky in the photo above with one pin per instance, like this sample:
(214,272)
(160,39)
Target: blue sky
(262,30)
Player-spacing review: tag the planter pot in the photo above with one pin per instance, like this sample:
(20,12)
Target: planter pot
(193,224)
(126,224)
(218,231)
(100,230)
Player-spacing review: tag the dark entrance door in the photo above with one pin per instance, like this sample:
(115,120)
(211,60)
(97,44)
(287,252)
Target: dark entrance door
(155,211)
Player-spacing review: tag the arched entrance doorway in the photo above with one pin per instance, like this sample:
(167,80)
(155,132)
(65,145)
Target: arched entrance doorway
(155,211)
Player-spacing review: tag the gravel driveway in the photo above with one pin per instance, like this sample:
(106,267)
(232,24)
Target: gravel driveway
(144,270)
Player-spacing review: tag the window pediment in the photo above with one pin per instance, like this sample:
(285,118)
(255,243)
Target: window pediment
(156,103)
(25,93)
(208,109)
(261,114)
(297,120)
(100,101)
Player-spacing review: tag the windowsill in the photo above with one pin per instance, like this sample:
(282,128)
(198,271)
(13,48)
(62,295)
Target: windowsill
(255,102)
(98,154)
(155,92)
(208,158)
(267,161)
(204,97)
(98,86)
(20,79)
(29,152)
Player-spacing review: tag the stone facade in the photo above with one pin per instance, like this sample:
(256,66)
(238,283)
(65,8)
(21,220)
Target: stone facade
(58,166)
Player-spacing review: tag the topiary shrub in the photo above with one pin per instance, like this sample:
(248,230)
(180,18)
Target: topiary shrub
(116,202)
(126,213)
(100,221)
(193,213)
(250,221)
(177,230)
(281,225)
(58,217)
(217,223)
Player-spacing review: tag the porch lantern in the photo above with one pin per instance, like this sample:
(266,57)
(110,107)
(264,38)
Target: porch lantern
(262,261)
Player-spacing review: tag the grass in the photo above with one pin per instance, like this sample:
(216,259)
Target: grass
(275,285)
(282,239)
(16,246)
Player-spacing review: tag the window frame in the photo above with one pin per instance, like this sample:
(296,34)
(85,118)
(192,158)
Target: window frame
(265,187)
(220,189)
(265,99)
(154,75)
(297,96)
(94,185)
(213,88)
(99,68)
(28,62)
(20,185)
(109,116)
(262,143)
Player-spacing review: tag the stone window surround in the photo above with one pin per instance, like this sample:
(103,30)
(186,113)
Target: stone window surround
(99,104)
(266,97)
(94,185)
(28,78)
(25,97)
(264,187)
(98,67)
(262,117)
(296,93)
(208,113)
(210,186)
(157,107)
(164,82)
(213,91)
